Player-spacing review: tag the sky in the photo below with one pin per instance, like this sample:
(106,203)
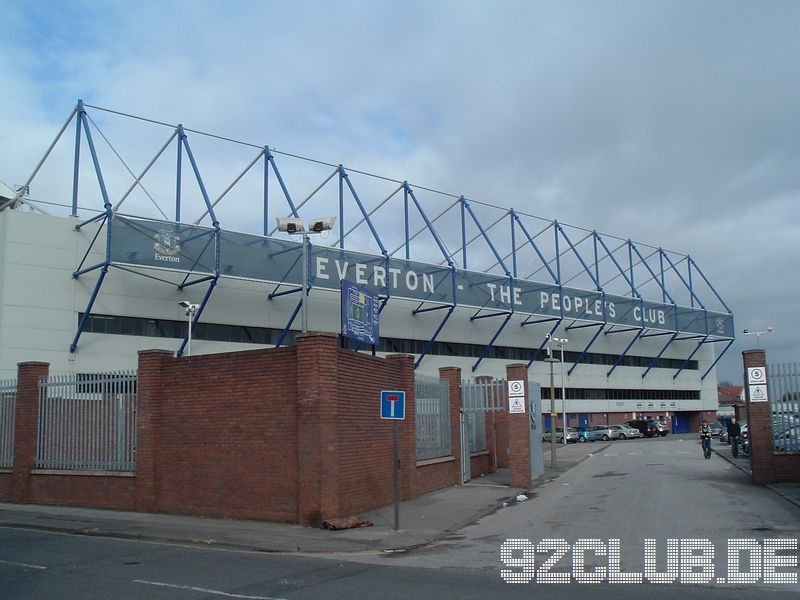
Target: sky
(672,123)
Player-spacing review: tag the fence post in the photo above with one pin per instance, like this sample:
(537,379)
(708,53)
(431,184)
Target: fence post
(26,425)
(490,419)
(519,432)
(453,376)
(759,423)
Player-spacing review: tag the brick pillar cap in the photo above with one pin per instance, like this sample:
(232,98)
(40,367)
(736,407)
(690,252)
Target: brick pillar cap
(156,352)
(517,365)
(447,369)
(33,363)
(323,334)
(399,356)
(753,351)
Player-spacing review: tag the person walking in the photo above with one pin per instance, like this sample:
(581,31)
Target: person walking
(734,432)
(705,439)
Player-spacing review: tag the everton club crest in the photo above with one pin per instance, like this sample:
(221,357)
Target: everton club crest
(167,246)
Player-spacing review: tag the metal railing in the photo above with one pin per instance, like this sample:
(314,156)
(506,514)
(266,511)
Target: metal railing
(784,397)
(476,400)
(8,400)
(87,422)
(432,402)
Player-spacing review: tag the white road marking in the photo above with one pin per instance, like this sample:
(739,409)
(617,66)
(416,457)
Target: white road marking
(610,454)
(19,564)
(204,590)
(632,453)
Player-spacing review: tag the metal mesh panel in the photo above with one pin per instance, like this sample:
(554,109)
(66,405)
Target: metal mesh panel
(784,397)
(476,400)
(433,417)
(88,422)
(8,399)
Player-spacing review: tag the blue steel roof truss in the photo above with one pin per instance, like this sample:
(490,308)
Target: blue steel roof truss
(589,264)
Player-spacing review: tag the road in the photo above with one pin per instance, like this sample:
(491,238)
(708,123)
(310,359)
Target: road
(659,489)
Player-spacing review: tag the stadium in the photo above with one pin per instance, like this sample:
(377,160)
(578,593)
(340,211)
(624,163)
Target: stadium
(133,234)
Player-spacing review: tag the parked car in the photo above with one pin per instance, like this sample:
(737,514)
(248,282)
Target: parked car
(572,435)
(661,427)
(788,440)
(626,431)
(715,427)
(646,426)
(606,432)
(586,434)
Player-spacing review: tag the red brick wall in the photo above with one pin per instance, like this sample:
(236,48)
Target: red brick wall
(227,435)
(85,490)
(435,476)
(6,487)
(479,463)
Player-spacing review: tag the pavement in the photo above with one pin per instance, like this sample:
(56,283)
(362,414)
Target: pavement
(423,520)
(789,491)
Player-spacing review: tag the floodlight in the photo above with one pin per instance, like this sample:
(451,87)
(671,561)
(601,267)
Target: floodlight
(324,224)
(290,225)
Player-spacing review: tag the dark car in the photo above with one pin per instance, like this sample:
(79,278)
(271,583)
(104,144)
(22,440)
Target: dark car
(648,427)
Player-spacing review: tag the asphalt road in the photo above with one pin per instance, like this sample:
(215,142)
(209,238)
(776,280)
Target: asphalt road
(660,489)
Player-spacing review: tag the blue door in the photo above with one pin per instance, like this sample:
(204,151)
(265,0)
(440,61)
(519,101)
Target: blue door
(681,423)
(583,420)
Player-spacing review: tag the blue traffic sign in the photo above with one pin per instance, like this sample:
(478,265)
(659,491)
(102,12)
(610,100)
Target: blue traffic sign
(393,404)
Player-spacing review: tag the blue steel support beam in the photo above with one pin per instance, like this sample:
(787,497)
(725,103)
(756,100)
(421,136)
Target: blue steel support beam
(600,327)
(489,346)
(611,330)
(616,264)
(266,192)
(81,111)
(477,317)
(341,205)
(284,293)
(664,349)
(77,271)
(434,336)
(198,314)
(534,246)
(513,245)
(179,173)
(486,237)
(278,176)
(363,212)
(550,320)
(462,202)
(686,362)
(664,291)
(429,225)
(685,283)
(579,257)
(708,283)
(74,345)
(622,356)
(405,220)
(285,331)
(536,354)
(714,364)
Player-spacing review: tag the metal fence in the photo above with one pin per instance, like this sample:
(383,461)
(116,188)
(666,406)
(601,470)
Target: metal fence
(783,385)
(476,400)
(433,417)
(8,401)
(87,422)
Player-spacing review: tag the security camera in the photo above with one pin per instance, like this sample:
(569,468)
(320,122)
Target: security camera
(769,329)
(185,304)
(290,225)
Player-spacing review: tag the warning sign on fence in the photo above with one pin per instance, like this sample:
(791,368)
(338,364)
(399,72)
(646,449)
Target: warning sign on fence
(516,404)
(758,393)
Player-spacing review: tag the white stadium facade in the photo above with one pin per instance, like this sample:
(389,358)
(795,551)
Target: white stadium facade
(92,270)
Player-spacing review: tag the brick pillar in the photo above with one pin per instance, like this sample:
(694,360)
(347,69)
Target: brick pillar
(519,433)
(453,376)
(759,424)
(408,427)
(148,427)
(317,433)
(26,421)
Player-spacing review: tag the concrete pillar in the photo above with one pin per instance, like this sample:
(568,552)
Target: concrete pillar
(759,424)
(26,422)
(519,427)
(453,376)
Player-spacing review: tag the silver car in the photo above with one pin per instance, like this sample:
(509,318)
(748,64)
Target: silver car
(572,435)
(626,432)
(606,432)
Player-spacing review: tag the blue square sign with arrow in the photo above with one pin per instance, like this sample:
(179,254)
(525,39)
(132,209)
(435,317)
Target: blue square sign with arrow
(393,404)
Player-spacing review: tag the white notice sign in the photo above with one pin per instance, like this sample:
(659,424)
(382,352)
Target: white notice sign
(756,375)
(516,387)
(516,404)
(758,393)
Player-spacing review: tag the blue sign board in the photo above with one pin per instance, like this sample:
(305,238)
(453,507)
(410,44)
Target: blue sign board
(360,314)
(393,404)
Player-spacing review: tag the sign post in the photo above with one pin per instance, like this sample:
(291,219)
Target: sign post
(393,407)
